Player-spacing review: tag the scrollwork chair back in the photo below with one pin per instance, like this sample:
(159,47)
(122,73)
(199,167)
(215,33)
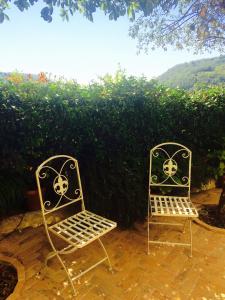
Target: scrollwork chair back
(170,166)
(60,174)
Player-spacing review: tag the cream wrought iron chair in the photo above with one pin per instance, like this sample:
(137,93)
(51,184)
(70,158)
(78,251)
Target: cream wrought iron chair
(170,171)
(61,175)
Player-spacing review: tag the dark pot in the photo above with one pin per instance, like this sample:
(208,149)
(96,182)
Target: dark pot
(32,200)
(220,181)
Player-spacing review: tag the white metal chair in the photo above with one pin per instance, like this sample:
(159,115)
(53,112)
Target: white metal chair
(61,175)
(169,188)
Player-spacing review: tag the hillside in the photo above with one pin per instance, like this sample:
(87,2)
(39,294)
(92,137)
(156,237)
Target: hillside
(200,72)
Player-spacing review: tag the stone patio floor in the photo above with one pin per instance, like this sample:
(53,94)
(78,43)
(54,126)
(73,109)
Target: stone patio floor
(167,273)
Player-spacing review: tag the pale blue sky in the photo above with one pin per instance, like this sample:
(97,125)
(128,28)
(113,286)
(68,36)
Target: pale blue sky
(78,49)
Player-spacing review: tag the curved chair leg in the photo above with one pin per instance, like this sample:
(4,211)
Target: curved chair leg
(49,256)
(56,253)
(106,254)
(68,275)
(190,221)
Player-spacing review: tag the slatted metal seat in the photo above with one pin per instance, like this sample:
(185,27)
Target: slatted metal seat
(172,206)
(59,186)
(169,188)
(83,228)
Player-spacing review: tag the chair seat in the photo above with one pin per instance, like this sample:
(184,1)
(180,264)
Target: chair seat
(82,228)
(172,206)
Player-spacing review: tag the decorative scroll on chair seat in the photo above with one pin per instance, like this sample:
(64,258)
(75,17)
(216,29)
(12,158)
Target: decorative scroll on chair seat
(172,206)
(82,228)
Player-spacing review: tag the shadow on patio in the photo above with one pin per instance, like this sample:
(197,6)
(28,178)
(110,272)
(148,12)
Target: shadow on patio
(167,273)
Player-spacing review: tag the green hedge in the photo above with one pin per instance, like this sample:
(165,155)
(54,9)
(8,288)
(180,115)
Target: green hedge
(109,127)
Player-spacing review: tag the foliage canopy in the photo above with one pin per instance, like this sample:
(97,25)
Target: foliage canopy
(113,9)
(193,24)
(190,24)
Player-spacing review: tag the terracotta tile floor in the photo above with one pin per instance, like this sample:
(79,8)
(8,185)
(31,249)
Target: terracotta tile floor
(167,273)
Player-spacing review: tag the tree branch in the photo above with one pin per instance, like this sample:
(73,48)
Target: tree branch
(173,27)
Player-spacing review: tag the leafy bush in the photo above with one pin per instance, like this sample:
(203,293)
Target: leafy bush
(109,127)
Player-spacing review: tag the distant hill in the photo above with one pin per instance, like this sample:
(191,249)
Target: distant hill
(209,71)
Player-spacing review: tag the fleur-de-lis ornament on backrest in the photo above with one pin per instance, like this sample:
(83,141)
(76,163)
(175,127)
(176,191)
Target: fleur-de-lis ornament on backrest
(170,167)
(60,185)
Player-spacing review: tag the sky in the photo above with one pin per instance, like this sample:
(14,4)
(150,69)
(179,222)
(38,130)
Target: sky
(79,49)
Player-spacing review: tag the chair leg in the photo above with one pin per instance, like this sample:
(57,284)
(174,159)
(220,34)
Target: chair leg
(106,254)
(49,256)
(148,252)
(185,222)
(68,275)
(56,253)
(190,223)
(148,235)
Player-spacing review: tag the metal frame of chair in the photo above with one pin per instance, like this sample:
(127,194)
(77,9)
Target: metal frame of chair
(77,230)
(163,161)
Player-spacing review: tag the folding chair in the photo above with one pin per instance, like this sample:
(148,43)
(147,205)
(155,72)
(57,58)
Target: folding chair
(59,175)
(169,189)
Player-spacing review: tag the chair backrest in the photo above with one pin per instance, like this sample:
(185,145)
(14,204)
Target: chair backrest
(170,166)
(60,175)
